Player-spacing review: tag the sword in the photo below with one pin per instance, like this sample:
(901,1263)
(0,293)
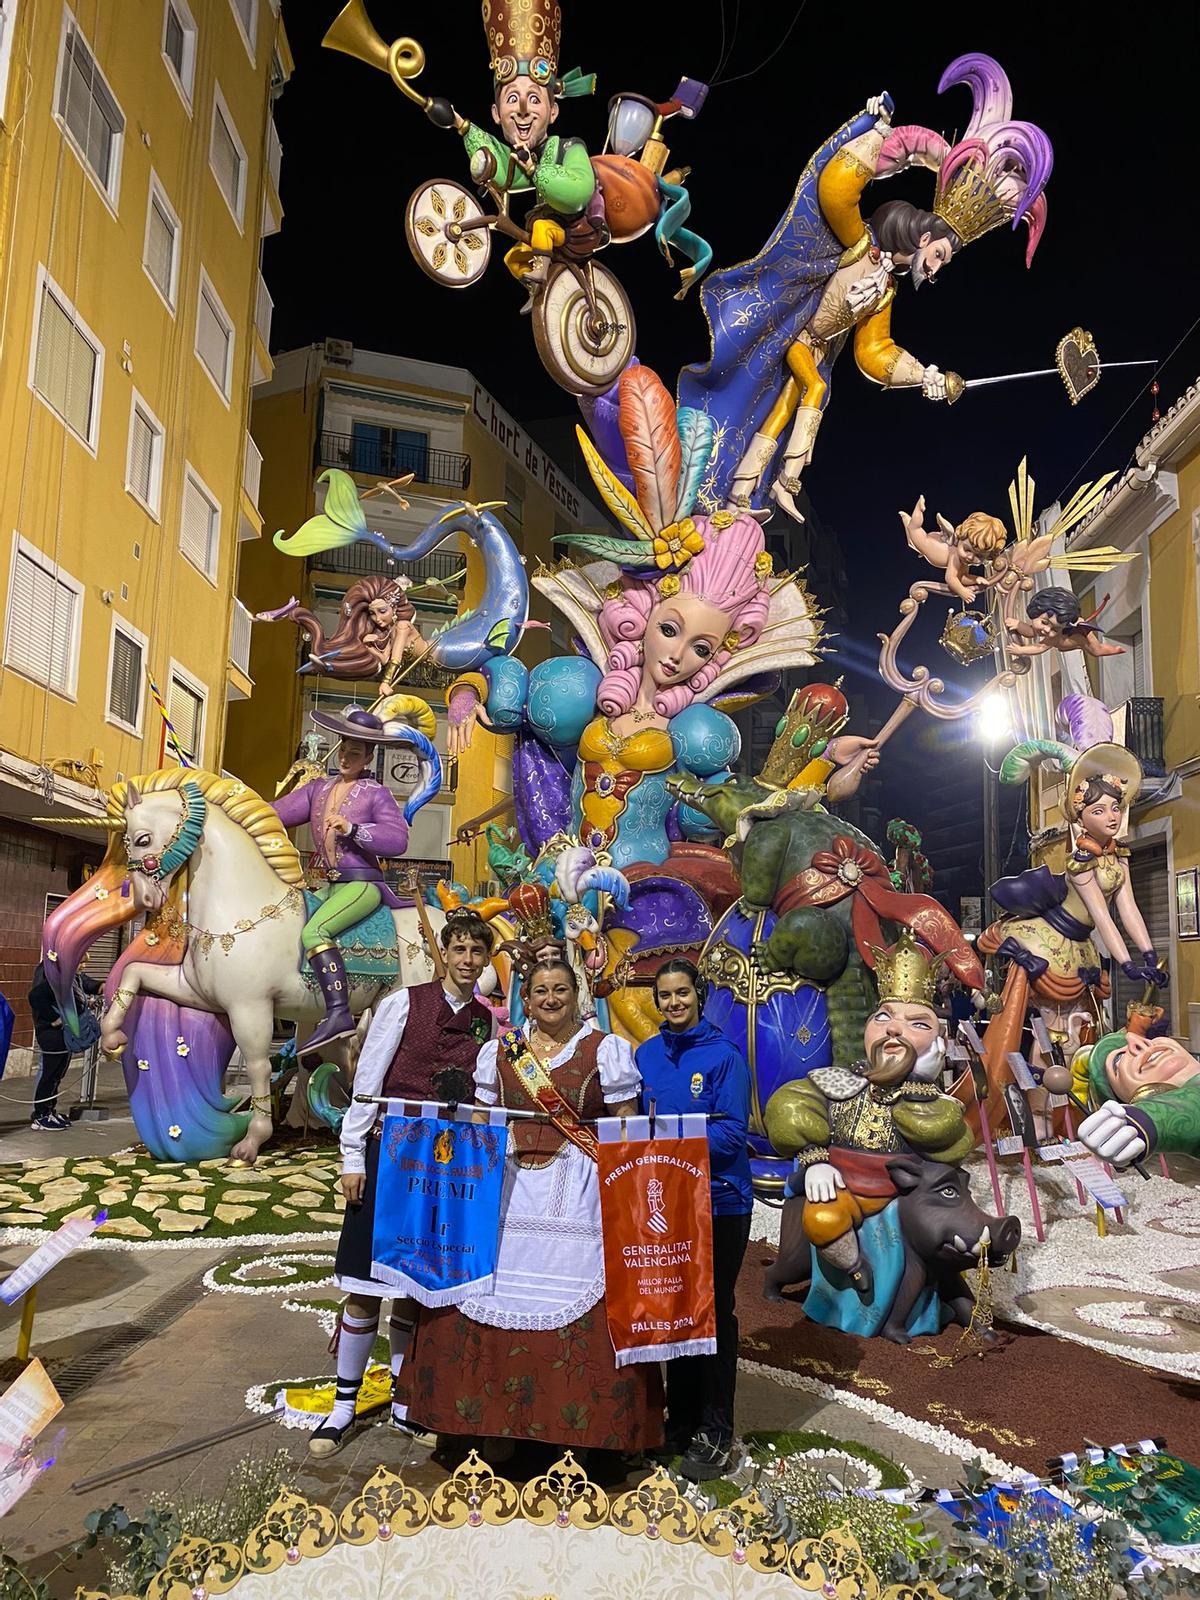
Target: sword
(956,387)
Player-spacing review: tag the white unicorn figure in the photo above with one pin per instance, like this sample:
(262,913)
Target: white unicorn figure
(209,864)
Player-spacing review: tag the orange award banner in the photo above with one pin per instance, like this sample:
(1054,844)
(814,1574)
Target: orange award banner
(656,1213)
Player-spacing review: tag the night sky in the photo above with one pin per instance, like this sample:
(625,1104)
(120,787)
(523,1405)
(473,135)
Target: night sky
(1117,255)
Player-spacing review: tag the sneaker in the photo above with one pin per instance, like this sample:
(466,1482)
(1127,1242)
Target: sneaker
(63,1123)
(706,1459)
(47,1123)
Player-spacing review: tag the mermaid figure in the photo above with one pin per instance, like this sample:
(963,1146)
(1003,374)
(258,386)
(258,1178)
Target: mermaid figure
(671,615)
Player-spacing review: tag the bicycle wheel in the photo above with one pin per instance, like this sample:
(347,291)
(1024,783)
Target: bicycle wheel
(432,220)
(584,350)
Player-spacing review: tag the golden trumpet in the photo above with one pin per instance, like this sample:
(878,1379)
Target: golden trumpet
(353,33)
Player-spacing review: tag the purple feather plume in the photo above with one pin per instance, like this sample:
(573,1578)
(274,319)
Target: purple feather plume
(989,86)
(1085,720)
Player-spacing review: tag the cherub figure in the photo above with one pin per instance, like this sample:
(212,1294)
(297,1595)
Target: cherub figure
(977,541)
(1054,621)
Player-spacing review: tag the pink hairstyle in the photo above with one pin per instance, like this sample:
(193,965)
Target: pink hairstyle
(723,576)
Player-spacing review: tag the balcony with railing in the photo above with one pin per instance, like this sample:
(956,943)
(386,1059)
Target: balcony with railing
(365,560)
(252,471)
(391,458)
(264,310)
(274,152)
(1144,733)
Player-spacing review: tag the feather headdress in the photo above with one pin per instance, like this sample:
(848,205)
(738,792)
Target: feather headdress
(667,452)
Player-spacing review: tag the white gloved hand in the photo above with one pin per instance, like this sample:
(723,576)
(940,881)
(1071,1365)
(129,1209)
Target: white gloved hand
(865,291)
(877,108)
(933,384)
(822,1182)
(1109,1134)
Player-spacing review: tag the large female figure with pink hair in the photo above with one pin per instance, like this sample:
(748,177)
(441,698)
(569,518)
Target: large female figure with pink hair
(667,619)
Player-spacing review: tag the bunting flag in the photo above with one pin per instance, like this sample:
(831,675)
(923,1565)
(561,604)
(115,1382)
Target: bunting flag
(176,748)
(656,1212)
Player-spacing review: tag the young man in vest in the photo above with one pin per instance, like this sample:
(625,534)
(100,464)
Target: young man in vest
(416,1034)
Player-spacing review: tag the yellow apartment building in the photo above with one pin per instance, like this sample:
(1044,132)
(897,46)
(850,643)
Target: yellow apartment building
(378,416)
(139,172)
(1153,609)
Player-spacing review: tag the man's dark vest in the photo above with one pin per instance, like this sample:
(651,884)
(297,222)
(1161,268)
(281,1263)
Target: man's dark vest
(435,1036)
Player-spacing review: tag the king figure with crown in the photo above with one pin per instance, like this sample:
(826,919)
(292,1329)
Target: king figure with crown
(827,274)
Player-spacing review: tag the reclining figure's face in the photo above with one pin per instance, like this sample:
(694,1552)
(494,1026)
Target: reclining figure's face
(1142,1064)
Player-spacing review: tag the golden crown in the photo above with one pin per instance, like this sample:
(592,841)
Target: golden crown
(815,714)
(905,972)
(968,636)
(969,203)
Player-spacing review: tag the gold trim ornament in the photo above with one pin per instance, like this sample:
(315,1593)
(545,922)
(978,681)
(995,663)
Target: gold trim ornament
(905,973)
(677,544)
(668,587)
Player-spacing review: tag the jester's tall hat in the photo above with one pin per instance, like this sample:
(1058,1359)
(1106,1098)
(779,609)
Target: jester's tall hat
(523,40)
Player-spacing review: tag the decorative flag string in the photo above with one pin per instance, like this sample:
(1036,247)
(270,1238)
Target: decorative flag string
(176,748)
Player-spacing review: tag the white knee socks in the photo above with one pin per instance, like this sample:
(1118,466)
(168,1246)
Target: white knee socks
(400,1332)
(355,1337)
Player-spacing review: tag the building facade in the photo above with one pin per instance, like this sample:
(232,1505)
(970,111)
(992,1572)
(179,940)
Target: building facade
(139,172)
(380,417)
(1152,607)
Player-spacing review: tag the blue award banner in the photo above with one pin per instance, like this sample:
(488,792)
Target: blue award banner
(437,1208)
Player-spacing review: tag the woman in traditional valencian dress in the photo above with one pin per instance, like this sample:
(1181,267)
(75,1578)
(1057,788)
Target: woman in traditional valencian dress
(672,615)
(534,1359)
(1050,918)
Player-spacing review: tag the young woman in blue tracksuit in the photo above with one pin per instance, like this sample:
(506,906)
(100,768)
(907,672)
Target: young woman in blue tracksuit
(692,1066)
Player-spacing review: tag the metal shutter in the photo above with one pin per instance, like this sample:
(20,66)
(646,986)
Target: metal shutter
(41,624)
(226,160)
(1152,891)
(65,367)
(213,340)
(198,526)
(142,435)
(125,689)
(160,245)
(186,711)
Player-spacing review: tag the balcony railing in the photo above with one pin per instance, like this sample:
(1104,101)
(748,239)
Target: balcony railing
(274,153)
(364,560)
(1144,733)
(239,637)
(386,458)
(264,309)
(252,470)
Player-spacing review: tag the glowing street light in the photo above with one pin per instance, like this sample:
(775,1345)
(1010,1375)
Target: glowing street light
(993,721)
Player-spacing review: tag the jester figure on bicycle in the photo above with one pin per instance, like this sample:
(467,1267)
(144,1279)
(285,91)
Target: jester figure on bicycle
(583,322)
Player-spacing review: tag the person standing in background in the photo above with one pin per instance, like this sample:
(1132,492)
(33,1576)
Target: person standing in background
(56,1052)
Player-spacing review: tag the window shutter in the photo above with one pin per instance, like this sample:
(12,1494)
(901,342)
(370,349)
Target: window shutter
(185,709)
(65,367)
(226,160)
(212,341)
(1152,890)
(246,11)
(41,624)
(88,108)
(160,246)
(125,687)
(197,534)
(141,458)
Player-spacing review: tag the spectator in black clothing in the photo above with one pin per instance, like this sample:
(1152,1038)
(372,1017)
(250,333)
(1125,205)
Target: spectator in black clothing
(56,1056)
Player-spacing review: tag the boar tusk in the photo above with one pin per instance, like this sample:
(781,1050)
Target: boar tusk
(960,1244)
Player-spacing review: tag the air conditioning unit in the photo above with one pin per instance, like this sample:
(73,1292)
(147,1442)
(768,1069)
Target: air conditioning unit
(339,351)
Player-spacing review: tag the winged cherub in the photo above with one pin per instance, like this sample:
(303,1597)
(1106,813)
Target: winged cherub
(979,540)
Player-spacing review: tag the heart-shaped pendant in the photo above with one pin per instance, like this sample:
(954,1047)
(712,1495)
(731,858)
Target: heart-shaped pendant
(1078,363)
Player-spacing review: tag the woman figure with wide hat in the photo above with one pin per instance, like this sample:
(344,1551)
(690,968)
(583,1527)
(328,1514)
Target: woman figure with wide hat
(354,821)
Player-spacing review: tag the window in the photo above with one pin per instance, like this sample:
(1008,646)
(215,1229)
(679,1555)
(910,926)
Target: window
(143,469)
(179,47)
(160,253)
(126,676)
(214,337)
(246,12)
(389,452)
(66,362)
(89,112)
(185,707)
(227,157)
(8,28)
(45,607)
(200,524)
